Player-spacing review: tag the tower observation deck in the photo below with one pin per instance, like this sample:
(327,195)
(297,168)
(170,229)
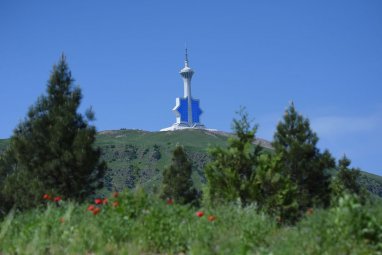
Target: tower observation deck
(187,109)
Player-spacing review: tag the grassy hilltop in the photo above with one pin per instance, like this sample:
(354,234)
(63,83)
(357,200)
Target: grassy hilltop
(136,157)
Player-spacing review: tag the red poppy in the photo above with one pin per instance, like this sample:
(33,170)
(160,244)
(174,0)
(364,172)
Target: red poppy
(211,218)
(115,194)
(199,214)
(98,201)
(96,210)
(115,204)
(46,197)
(57,199)
(91,208)
(170,201)
(309,211)
(104,201)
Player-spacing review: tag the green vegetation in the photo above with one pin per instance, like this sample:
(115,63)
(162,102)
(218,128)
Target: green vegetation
(232,171)
(286,199)
(52,149)
(146,170)
(295,144)
(136,223)
(3,144)
(177,183)
(346,180)
(153,152)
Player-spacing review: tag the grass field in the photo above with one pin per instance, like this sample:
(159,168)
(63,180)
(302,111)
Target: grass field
(135,223)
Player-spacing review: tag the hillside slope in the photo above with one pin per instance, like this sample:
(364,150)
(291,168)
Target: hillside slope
(137,157)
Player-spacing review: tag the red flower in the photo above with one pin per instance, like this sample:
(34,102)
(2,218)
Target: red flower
(46,197)
(104,201)
(309,211)
(199,214)
(115,204)
(115,194)
(57,199)
(96,210)
(170,201)
(211,218)
(91,208)
(98,201)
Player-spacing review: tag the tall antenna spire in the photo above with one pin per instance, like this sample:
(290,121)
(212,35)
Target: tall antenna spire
(186,58)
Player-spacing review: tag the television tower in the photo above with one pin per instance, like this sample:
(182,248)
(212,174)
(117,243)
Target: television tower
(187,110)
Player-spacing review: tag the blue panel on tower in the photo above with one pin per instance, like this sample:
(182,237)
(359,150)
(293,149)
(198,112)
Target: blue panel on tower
(183,110)
(196,111)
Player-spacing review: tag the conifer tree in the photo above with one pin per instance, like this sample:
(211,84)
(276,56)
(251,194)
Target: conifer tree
(52,150)
(346,180)
(275,193)
(177,183)
(295,143)
(231,172)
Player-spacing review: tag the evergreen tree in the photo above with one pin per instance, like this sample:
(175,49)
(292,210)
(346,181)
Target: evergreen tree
(231,173)
(295,143)
(177,182)
(52,150)
(275,193)
(346,180)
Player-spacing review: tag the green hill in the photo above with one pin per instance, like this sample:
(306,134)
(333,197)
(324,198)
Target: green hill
(137,157)
(3,144)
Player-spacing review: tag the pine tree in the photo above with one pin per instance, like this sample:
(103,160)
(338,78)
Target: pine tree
(295,143)
(52,150)
(231,173)
(177,183)
(275,192)
(346,180)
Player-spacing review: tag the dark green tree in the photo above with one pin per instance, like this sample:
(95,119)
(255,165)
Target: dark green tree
(295,143)
(230,174)
(177,183)
(346,180)
(275,193)
(52,150)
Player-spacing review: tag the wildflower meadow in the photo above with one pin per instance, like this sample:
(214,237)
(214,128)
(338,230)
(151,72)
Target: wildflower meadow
(133,222)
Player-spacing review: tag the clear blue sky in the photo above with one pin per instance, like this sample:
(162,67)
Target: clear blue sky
(326,56)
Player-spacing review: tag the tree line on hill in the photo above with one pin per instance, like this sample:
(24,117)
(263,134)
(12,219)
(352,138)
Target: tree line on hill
(52,151)
(292,180)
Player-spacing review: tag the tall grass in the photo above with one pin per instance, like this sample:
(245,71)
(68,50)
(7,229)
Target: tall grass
(140,224)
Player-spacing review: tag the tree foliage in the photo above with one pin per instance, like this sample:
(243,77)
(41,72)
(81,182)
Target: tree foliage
(231,173)
(346,181)
(177,182)
(52,150)
(275,193)
(295,143)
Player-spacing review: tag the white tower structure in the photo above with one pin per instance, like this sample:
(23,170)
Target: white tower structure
(187,110)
